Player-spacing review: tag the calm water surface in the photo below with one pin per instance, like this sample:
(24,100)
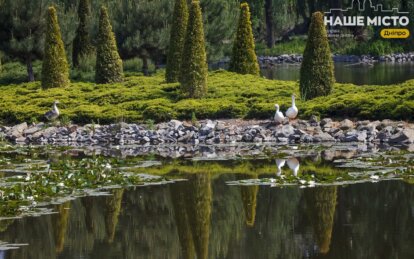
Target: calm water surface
(206,216)
(377,74)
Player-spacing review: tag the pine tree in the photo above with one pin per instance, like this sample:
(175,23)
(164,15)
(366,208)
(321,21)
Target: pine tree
(55,68)
(108,63)
(178,32)
(193,77)
(82,44)
(317,70)
(244,60)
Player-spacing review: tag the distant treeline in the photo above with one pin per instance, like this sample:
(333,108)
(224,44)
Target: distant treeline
(142,27)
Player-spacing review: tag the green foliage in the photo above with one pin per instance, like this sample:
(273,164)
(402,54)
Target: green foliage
(132,65)
(244,60)
(317,70)
(108,63)
(176,47)
(85,70)
(375,48)
(194,68)
(294,46)
(55,68)
(16,73)
(82,45)
(230,95)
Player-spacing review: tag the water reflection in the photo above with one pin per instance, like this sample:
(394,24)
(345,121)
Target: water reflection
(205,218)
(377,74)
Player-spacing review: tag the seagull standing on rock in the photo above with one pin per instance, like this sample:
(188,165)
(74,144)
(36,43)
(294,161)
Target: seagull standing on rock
(293,111)
(54,113)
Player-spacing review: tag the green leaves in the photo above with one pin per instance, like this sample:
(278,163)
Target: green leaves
(55,68)
(108,63)
(317,70)
(244,60)
(194,69)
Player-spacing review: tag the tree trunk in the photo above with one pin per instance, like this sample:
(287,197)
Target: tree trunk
(269,23)
(29,67)
(145,66)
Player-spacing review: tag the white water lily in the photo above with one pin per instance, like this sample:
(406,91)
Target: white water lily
(60,184)
(302,181)
(374,177)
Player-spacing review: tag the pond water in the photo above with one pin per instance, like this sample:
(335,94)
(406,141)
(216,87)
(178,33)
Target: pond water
(351,201)
(376,74)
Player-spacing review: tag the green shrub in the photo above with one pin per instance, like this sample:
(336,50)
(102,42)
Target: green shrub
(193,76)
(133,65)
(158,113)
(231,95)
(85,70)
(177,38)
(317,70)
(82,45)
(55,68)
(16,73)
(375,48)
(244,60)
(108,63)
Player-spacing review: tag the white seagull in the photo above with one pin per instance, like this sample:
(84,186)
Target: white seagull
(292,112)
(54,113)
(279,117)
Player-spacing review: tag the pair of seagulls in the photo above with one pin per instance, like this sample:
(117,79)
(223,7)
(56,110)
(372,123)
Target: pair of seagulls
(291,113)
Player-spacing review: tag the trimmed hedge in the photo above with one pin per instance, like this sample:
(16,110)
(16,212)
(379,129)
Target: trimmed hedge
(230,95)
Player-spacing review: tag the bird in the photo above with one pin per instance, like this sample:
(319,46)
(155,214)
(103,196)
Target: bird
(292,112)
(54,113)
(280,163)
(279,117)
(294,165)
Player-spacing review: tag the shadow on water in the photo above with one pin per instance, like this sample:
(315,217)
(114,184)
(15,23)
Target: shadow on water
(376,74)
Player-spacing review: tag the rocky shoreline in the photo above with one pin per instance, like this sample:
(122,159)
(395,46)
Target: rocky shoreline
(210,132)
(268,61)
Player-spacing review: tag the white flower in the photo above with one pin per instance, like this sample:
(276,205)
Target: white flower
(60,184)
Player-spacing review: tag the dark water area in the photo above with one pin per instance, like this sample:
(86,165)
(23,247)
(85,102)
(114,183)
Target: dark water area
(204,217)
(362,74)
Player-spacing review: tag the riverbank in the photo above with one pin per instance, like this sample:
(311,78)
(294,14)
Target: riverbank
(210,132)
(230,96)
(269,61)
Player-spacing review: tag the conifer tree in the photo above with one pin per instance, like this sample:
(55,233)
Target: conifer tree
(244,60)
(317,70)
(178,33)
(82,44)
(108,63)
(193,76)
(55,68)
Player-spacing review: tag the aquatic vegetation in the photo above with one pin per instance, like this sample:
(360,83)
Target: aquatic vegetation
(63,178)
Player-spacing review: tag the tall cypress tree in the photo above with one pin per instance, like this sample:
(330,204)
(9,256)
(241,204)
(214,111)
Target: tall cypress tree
(194,68)
(178,31)
(317,70)
(244,60)
(108,63)
(82,44)
(55,68)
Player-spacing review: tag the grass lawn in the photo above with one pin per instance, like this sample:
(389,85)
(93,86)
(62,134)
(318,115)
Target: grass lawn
(230,95)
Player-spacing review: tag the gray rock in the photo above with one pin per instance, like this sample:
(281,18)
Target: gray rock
(406,136)
(346,124)
(326,123)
